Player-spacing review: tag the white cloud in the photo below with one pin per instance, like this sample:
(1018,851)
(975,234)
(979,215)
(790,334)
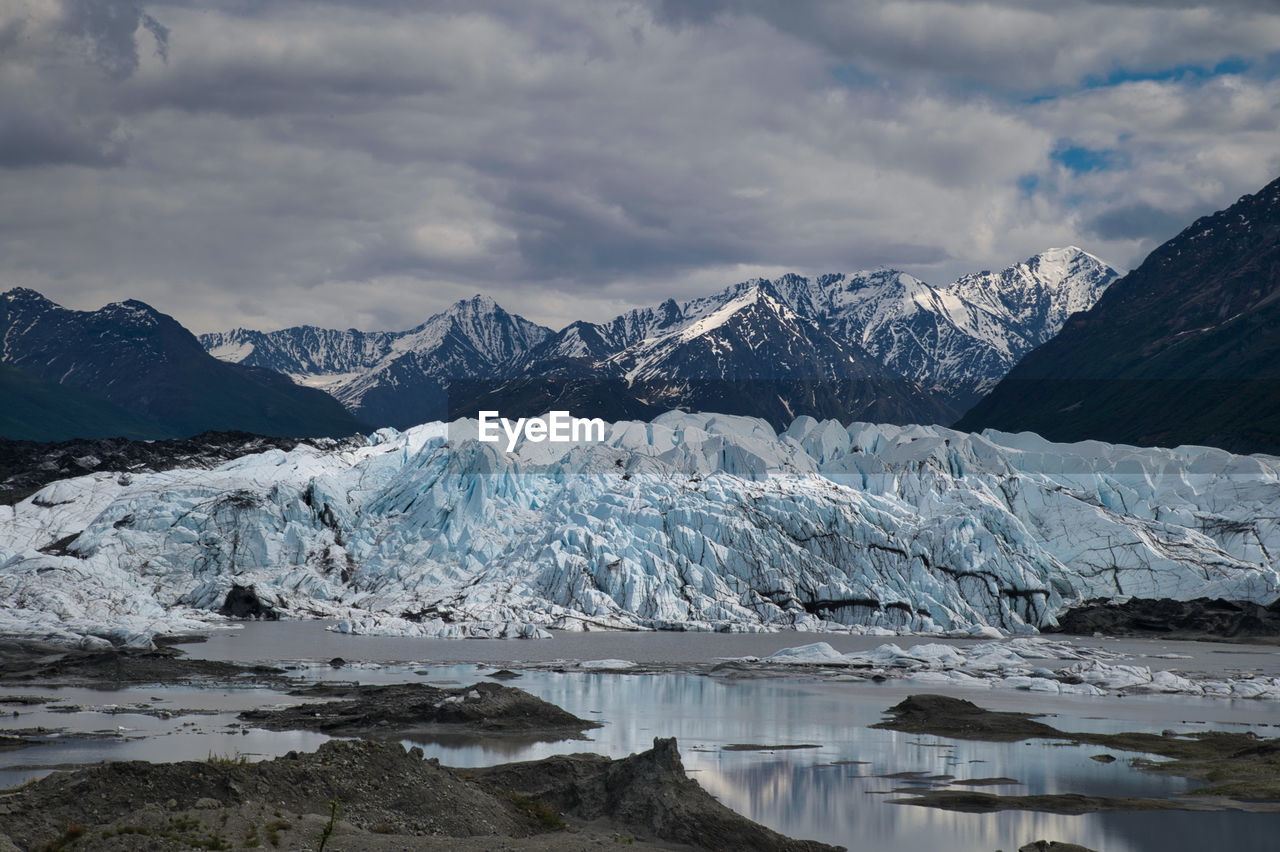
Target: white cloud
(367,164)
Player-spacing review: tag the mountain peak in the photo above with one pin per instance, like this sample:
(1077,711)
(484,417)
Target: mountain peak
(131,311)
(1060,268)
(127,357)
(1063,252)
(1041,291)
(479,303)
(25,295)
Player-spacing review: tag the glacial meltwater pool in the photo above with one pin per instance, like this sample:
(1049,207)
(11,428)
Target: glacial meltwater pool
(837,792)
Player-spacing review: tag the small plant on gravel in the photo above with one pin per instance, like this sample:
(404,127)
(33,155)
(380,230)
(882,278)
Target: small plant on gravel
(539,811)
(236,759)
(67,839)
(327,832)
(184,823)
(274,828)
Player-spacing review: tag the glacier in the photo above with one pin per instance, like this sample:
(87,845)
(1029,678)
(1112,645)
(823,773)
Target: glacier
(688,522)
(1023,663)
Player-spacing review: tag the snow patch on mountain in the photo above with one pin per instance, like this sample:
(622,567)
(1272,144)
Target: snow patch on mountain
(471,338)
(703,522)
(877,344)
(1035,297)
(958,340)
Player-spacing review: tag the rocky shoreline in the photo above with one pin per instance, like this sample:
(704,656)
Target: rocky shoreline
(1241,771)
(416,708)
(368,795)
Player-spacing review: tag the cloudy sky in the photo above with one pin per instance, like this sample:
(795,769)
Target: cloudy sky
(366,163)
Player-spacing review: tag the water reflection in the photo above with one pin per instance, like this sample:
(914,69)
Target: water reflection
(837,792)
(110,726)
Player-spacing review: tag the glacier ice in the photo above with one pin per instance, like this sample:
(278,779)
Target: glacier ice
(1064,669)
(690,521)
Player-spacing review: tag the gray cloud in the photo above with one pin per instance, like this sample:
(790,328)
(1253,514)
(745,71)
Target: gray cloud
(60,67)
(366,163)
(33,138)
(109,28)
(1138,222)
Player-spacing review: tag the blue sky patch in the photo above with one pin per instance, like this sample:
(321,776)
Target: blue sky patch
(1231,65)
(1266,69)
(852,76)
(1081,160)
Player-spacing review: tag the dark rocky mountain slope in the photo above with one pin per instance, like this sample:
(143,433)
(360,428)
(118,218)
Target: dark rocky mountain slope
(1185,349)
(129,369)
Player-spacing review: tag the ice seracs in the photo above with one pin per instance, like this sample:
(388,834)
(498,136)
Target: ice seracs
(1030,664)
(688,521)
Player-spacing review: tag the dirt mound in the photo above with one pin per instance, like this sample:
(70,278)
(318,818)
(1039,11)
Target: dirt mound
(416,707)
(1244,770)
(31,662)
(955,717)
(372,795)
(1202,618)
(648,792)
(243,602)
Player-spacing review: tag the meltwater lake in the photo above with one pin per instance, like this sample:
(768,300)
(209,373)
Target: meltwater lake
(839,789)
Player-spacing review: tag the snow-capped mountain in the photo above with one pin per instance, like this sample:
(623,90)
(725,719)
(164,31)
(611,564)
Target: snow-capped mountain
(389,378)
(757,322)
(753,354)
(745,351)
(872,345)
(924,334)
(958,340)
(128,368)
(1035,297)
(685,522)
(954,342)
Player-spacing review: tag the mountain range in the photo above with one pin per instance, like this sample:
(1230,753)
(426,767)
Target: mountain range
(879,345)
(1185,349)
(389,378)
(129,370)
